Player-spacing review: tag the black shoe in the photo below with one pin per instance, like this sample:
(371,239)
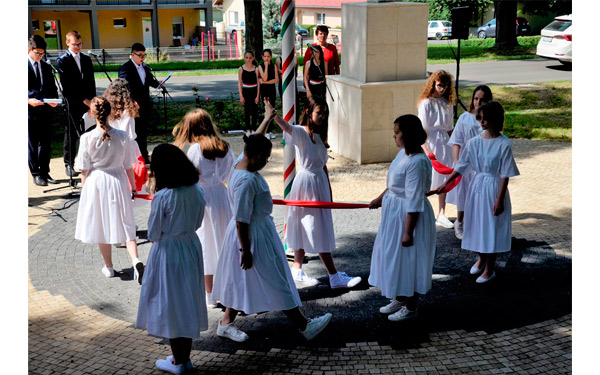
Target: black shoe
(138,272)
(50,180)
(70,171)
(39,181)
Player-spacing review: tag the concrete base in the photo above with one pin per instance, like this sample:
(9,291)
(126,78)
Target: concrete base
(361,118)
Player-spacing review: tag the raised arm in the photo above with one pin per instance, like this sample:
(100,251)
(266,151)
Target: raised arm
(284,125)
(269,114)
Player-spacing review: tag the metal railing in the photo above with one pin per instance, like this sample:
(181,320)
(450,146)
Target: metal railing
(123,2)
(59,2)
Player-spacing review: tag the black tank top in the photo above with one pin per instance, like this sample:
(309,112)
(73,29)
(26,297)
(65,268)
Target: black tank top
(314,75)
(249,80)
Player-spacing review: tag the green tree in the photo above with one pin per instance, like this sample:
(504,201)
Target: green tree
(544,8)
(271,15)
(441,9)
(506,32)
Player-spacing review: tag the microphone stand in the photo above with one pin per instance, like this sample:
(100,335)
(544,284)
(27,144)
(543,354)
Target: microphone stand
(70,122)
(165,93)
(101,65)
(458,101)
(320,71)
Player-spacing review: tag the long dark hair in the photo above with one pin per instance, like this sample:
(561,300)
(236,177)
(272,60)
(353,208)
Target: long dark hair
(487,95)
(493,113)
(172,168)
(313,102)
(413,133)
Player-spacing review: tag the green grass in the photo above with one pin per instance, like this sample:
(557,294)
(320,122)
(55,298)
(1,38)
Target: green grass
(471,50)
(540,111)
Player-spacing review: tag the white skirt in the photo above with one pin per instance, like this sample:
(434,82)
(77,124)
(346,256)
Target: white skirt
(268,285)
(217,215)
(399,270)
(105,213)
(172,301)
(310,229)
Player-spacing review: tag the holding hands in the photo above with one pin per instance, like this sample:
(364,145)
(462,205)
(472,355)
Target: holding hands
(246,262)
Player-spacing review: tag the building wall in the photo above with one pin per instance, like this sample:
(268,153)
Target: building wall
(119,37)
(307,16)
(233,6)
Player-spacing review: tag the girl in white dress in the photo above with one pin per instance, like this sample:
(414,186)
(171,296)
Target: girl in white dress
(253,275)
(466,128)
(404,249)
(311,229)
(171,304)
(436,114)
(487,208)
(213,157)
(105,214)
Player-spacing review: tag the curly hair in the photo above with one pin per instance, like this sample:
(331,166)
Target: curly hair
(313,102)
(119,96)
(101,109)
(197,127)
(445,78)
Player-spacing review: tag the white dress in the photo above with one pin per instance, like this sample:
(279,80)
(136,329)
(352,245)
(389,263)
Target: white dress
(268,285)
(467,127)
(218,211)
(399,270)
(127,124)
(437,119)
(492,159)
(310,229)
(172,298)
(105,213)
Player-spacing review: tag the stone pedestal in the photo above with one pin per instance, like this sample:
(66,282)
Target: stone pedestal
(384,68)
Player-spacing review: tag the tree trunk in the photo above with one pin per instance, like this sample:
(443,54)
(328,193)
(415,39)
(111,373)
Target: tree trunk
(254,29)
(506,28)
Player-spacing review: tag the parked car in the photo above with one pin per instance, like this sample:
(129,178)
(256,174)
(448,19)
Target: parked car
(557,40)
(232,29)
(439,29)
(489,29)
(299,30)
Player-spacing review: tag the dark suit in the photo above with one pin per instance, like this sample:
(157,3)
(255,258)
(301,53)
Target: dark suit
(40,120)
(76,88)
(140,92)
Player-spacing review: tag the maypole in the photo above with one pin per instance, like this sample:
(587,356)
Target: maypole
(288,63)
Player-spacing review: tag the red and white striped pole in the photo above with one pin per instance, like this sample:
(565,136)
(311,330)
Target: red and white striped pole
(288,63)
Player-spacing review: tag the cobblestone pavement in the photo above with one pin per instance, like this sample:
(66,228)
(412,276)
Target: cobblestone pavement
(82,323)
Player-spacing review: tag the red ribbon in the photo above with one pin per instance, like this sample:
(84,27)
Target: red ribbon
(140,173)
(442,169)
(318,204)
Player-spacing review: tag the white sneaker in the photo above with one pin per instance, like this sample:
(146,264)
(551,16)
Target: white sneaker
(403,314)
(341,280)
(301,279)
(187,366)
(210,302)
(231,332)
(316,326)
(392,307)
(443,221)
(458,229)
(108,272)
(169,366)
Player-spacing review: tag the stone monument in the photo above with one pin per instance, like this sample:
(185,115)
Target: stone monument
(383,71)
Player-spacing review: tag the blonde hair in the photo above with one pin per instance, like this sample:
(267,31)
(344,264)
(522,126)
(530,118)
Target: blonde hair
(119,96)
(197,127)
(100,108)
(445,78)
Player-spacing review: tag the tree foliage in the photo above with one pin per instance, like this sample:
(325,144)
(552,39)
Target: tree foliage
(544,8)
(254,32)
(271,15)
(441,9)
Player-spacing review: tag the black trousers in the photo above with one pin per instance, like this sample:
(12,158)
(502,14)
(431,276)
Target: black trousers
(142,124)
(250,108)
(39,140)
(71,136)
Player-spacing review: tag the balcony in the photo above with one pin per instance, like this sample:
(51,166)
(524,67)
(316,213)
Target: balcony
(171,2)
(59,2)
(123,2)
(112,2)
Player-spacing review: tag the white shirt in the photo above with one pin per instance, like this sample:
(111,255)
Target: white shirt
(77,58)
(141,71)
(33,62)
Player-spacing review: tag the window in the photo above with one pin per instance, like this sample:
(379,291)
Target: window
(320,18)
(177,27)
(119,23)
(433,24)
(233,18)
(35,25)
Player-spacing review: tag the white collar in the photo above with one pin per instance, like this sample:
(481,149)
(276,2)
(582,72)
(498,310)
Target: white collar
(73,53)
(32,61)
(136,65)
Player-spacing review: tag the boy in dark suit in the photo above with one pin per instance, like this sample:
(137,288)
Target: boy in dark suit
(76,73)
(140,78)
(40,86)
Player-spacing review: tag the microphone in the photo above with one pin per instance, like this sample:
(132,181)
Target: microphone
(147,66)
(51,66)
(311,47)
(92,54)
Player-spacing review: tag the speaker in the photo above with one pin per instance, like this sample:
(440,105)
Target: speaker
(461,16)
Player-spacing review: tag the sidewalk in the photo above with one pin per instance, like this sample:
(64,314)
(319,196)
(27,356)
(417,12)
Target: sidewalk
(81,322)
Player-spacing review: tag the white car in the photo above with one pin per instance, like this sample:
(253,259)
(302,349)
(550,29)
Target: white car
(439,29)
(557,40)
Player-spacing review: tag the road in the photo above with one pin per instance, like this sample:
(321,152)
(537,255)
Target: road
(471,74)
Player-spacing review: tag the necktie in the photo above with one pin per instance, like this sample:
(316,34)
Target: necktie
(78,62)
(38,74)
